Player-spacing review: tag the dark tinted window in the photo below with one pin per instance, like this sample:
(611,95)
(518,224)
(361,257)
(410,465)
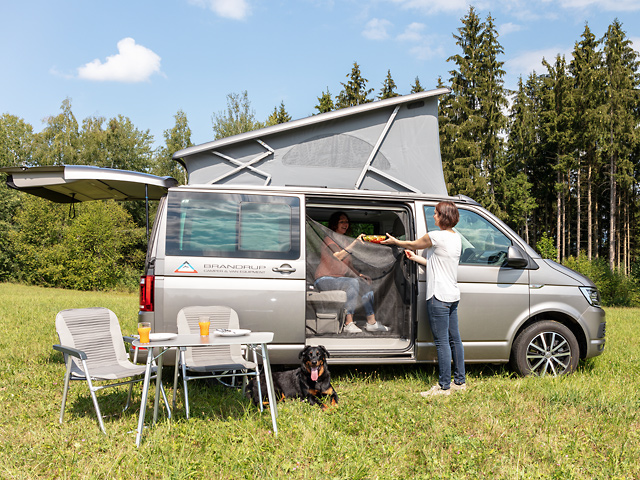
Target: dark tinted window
(205,224)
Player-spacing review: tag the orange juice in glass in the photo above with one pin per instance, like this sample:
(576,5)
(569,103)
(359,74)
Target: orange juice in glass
(204,323)
(144,328)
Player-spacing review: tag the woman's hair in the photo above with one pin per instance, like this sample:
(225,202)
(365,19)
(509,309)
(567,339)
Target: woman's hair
(335,218)
(448,213)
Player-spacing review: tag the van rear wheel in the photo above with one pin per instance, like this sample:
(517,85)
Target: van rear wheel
(545,348)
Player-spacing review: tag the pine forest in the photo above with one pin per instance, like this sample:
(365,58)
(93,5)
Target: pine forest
(558,159)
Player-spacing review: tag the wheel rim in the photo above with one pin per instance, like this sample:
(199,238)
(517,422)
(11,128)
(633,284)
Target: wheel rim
(548,353)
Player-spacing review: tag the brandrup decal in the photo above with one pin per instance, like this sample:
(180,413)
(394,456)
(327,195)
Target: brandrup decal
(234,268)
(186,268)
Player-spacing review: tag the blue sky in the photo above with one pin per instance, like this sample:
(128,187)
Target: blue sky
(147,59)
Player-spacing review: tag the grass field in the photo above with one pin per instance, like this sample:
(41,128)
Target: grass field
(586,425)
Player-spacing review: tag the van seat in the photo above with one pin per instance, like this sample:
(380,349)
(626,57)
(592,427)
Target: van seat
(325,311)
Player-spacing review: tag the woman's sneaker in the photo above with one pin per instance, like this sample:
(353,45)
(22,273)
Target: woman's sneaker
(458,388)
(434,391)
(376,327)
(351,328)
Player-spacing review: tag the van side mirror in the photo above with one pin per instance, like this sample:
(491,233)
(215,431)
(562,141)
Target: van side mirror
(516,258)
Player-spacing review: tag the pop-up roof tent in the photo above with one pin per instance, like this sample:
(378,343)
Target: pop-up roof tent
(387,145)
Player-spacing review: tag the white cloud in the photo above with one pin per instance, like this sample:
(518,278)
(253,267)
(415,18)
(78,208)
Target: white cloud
(427,50)
(607,5)
(413,32)
(434,6)
(234,9)
(132,63)
(376,29)
(507,28)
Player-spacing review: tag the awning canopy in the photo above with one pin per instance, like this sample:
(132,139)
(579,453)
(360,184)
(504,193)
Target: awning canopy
(80,183)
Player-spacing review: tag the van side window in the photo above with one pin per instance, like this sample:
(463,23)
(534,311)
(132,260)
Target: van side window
(482,242)
(204,224)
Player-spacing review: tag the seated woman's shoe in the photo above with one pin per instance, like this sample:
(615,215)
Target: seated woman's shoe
(351,328)
(376,327)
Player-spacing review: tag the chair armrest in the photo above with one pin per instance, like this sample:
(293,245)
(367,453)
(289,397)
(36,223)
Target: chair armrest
(74,352)
(128,338)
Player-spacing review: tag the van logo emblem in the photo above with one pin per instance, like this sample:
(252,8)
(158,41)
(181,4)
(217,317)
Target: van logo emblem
(186,268)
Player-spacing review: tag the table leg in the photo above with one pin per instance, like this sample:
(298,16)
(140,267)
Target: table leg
(175,377)
(158,384)
(143,401)
(273,408)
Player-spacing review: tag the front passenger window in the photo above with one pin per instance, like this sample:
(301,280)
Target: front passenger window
(482,242)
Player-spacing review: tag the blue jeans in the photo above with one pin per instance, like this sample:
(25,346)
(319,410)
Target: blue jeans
(350,285)
(443,318)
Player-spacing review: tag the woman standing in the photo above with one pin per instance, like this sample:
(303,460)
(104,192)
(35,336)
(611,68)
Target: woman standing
(443,254)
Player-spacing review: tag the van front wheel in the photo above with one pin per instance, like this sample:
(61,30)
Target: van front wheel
(545,348)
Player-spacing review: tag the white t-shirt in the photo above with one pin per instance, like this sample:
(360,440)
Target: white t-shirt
(442,266)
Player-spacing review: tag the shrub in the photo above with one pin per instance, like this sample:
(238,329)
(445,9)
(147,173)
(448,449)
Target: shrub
(616,289)
(94,250)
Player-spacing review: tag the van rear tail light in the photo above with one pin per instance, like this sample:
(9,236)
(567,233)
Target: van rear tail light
(146,293)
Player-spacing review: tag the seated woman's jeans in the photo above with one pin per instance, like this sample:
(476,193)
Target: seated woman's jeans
(352,286)
(443,318)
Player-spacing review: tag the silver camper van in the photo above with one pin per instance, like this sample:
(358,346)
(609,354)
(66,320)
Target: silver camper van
(249,228)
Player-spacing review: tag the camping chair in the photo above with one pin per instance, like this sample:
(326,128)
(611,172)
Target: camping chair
(93,348)
(215,361)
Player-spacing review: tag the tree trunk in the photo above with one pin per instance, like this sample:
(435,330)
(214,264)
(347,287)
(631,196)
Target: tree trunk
(559,243)
(578,209)
(612,210)
(589,215)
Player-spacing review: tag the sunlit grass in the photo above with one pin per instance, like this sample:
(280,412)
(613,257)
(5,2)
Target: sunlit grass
(582,426)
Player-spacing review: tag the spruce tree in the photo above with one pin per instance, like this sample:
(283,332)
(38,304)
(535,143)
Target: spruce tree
(388,89)
(279,115)
(474,163)
(621,109)
(557,115)
(587,72)
(416,87)
(325,102)
(355,91)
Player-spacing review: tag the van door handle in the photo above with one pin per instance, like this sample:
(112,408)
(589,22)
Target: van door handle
(285,268)
(536,285)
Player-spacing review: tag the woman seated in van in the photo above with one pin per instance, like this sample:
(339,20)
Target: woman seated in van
(336,272)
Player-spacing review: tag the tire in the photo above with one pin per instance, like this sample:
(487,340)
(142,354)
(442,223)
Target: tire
(545,348)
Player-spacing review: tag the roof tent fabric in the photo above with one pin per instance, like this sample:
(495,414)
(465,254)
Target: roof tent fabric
(389,145)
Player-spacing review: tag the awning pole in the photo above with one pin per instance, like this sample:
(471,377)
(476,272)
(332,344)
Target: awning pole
(146,207)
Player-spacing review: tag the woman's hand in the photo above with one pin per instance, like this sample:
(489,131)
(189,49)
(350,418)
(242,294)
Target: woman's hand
(411,255)
(358,239)
(390,240)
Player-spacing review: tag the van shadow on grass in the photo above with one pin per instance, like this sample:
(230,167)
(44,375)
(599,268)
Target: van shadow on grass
(426,372)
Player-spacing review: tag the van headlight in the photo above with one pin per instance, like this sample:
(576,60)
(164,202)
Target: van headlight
(592,295)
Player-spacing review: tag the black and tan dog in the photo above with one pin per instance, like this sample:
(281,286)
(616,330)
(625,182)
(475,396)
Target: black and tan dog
(310,381)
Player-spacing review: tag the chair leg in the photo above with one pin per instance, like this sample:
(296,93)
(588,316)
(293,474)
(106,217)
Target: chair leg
(93,396)
(128,397)
(66,387)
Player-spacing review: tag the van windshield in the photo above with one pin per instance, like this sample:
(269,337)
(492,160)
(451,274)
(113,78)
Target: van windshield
(208,224)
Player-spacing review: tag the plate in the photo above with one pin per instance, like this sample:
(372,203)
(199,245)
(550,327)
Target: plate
(156,337)
(225,332)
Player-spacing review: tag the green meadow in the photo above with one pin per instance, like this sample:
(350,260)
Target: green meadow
(585,425)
